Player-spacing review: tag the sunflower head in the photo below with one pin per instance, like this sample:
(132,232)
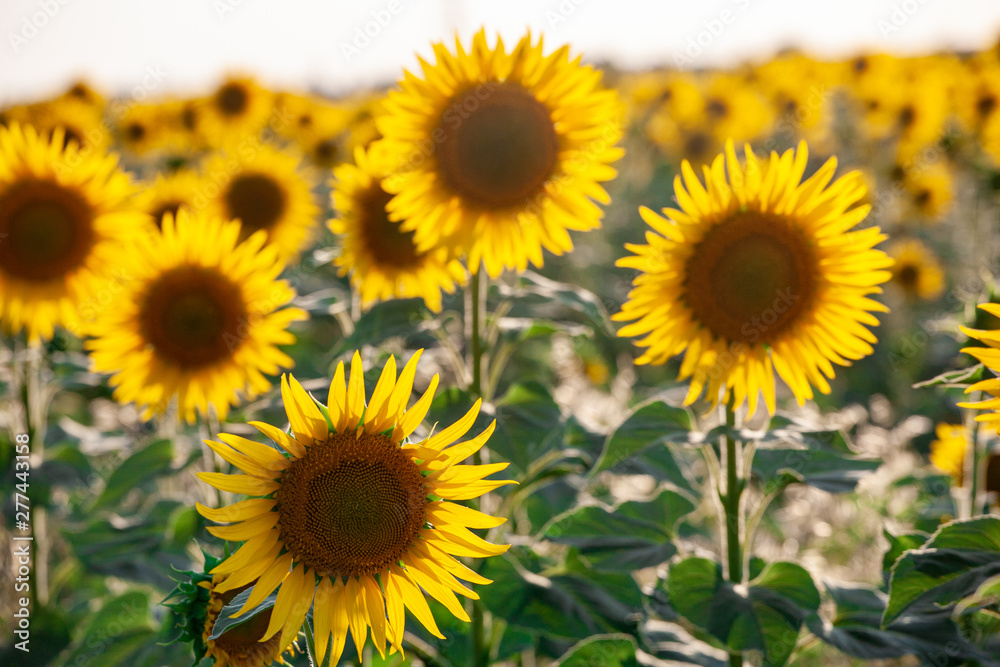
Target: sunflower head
(988,356)
(199,318)
(265,189)
(197,610)
(754,274)
(948,451)
(500,154)
(384,260)
(917,271)
(66,220)
(350,516)
(238,107)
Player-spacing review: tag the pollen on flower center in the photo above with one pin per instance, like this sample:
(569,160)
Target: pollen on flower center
(389,244)
(46,231)
(499,147)
(352,506)
(192,316)
(750,277)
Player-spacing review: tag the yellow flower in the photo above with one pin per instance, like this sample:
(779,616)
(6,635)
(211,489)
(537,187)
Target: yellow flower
(500,154)
(990,357)
(199,317)
(917,271)
(66,221)
(238,108)
(930,187)
(756,274)
(263,188)
(81,123)
(383,259)
(948,451)
(141,128)
(169,193)
(239,646)
(350,517)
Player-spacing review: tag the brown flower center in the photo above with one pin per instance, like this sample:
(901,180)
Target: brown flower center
(257,200)
(241,643)
(907,276)
(498,145)
(46,230)
(193,316)
(353,505)
(232,99)
(388,244)
(751,277)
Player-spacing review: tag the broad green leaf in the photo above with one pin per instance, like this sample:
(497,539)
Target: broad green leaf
(604,650)
(634,535)
(820,468)
(857,631)
(574,605)
(898,544)
(119,629)
(671,642)
(952,565)
(399,317)
(764,616)
(536,290)
(651,424)
(529,424)
(226,621)
(142,467)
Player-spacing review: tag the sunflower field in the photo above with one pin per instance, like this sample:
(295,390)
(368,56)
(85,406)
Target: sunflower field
(518,361)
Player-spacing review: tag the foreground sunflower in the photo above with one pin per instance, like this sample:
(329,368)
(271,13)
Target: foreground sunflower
(756,274)
(264,189)
(200,318)
(990,357)
(382,258)
(500,154)
(198,610)
(351,518)
(65,217)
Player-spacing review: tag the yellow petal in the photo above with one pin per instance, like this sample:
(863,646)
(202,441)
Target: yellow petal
(413,599)
(290,444)
(308,423)
(263,455)
(376,610)
(356,612)
(321,618)
(248,553)
(456,430)
(239,532)
(355,393)
(241,511)
(268,581)
(442,512)
(251,486)
(412,417)
(291,589)
(378,405)
(336,402)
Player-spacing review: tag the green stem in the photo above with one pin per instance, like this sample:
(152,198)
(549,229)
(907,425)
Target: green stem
(731,503)
(476,344)
(974,509)
(477,315)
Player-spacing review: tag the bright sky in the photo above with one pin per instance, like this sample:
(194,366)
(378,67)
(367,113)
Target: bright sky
(186,45)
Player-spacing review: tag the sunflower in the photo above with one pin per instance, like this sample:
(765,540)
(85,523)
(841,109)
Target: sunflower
(81,123)
(917,271)
(198,610)
(81,91)
(170,192)
(264,189)
(351,518)
(383,259)
(238,108)
(757,274)
(990,357)
(500,154)
(200,318)
(930,190)
(948,451)
(141,128)
(65,218)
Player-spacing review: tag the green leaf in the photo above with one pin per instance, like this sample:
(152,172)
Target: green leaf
(651,424)
(576,604)
(899,544)
(857,631)
(952,565)
(399,317)
(534,289)
(529,425)
(119,630)
(226,621)
(632,536)
(140,468)
(605,650)
(764,616)
(820,468)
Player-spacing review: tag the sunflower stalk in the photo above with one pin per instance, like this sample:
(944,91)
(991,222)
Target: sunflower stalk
(976,456)
(731,503)
(32,401)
